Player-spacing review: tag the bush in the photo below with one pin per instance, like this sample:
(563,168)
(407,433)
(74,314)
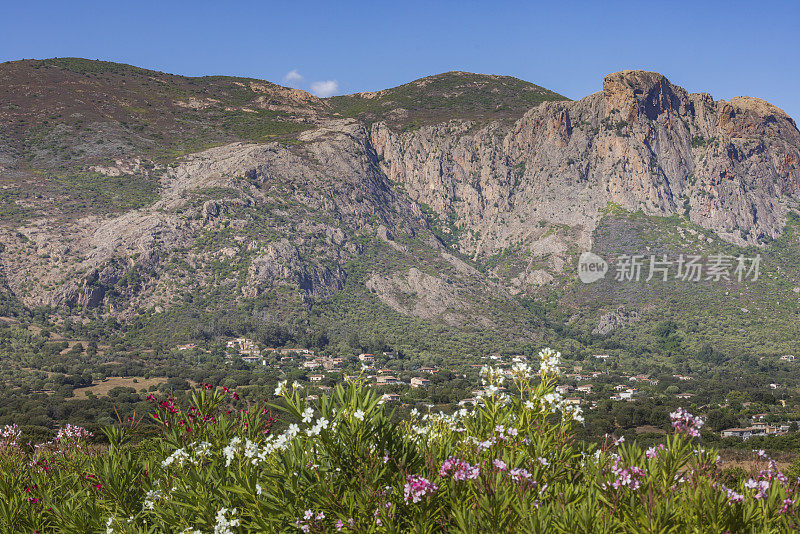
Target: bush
(344,462)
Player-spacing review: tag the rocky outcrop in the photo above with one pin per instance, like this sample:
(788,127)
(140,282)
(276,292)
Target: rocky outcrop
(281,263)
(615,319)
(641,143)
(417,293)
(409,205)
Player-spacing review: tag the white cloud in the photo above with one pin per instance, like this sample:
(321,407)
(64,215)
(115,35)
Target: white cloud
(293,78)
(325,88)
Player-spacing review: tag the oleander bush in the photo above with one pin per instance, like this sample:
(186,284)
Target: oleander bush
(344,463)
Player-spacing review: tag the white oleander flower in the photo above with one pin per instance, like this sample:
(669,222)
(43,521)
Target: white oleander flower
(308,414)
(150,498)
(549,360)
(224,525)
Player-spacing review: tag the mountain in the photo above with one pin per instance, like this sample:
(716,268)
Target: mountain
(447,214)
(444,97)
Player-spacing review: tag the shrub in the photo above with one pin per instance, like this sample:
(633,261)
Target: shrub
(345,463)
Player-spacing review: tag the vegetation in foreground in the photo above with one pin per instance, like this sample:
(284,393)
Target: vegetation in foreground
(341,463)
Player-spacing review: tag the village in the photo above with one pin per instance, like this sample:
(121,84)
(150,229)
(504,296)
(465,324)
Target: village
(581,386)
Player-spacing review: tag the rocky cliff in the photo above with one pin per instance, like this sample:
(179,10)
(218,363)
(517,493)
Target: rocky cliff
(448,215)
(642,143)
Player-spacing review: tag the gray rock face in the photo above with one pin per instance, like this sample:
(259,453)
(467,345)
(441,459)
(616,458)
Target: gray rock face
(281,217)
(255,218)
(282,263)
(641,143)
(615,319)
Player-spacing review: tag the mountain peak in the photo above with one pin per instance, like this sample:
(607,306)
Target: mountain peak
(445,96)
(637,92)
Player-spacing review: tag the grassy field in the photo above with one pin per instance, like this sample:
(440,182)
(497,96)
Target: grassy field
(101,388)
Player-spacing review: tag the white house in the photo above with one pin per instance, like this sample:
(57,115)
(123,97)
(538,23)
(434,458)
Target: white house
(387,379)
(417,382)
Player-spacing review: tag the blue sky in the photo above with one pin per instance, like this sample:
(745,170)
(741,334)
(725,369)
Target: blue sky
(723,48)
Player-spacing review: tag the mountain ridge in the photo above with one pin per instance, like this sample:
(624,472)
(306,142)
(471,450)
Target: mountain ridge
(456,217)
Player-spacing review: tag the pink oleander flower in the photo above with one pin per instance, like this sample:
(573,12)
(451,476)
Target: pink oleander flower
(685,422)
(653,452)
(733,497)
(72,434)
(9,436)
(517,474)
(377,515)
(168,405)
(500,464)
(485,445)
(761,487)
(418,487)
(458,469)
(773,473)
(627,476)
(787,505)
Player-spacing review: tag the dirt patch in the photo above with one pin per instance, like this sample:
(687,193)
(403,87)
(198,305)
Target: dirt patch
(101,389)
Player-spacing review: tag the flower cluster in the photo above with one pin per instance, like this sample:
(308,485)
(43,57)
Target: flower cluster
(309,518)
(548,362)
(521,370)
(72,434)
(458,469)
(653,452)
(683,421)
(519,474)
(761,487)
(150,499)
(281,389)
(224,524)
(627,476)
(763,482)
(492,375)
(733,497)
(9,436)
(318,427)
(181,457)
(168,406)
(417,487)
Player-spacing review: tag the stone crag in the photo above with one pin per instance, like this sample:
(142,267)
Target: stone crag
(519,195)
